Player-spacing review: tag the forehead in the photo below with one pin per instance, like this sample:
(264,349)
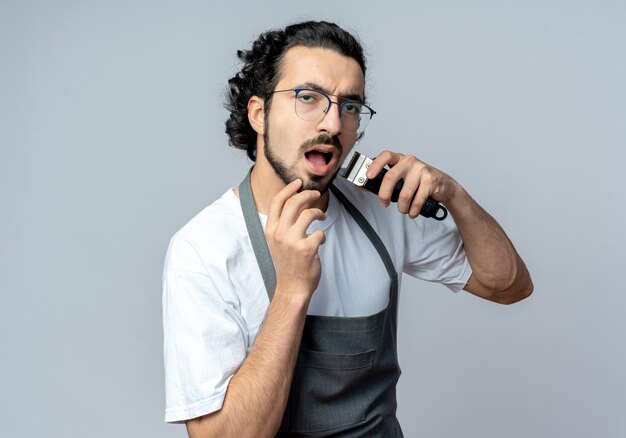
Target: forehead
(336,74)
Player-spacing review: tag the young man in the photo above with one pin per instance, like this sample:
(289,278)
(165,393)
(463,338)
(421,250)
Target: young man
(280,297)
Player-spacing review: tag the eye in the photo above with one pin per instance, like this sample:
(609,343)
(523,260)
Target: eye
(307,97)
(352,108)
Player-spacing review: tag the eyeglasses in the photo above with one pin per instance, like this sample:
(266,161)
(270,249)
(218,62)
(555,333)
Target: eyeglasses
(313,105)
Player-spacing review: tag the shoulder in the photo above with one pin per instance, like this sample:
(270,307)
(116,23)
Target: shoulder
(209,237)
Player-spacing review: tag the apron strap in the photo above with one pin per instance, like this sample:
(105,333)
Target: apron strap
(368,230)
(257,236)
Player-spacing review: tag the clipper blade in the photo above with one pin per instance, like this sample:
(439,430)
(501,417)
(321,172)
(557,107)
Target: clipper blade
(355,172)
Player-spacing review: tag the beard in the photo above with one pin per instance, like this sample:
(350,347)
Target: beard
(287,173)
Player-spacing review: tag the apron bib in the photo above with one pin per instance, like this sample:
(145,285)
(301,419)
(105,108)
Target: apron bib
(344,381)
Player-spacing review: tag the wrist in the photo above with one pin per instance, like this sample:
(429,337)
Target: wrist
(460,203)
(291,298)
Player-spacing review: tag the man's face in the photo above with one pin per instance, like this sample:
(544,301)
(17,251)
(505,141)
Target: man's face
(310,150)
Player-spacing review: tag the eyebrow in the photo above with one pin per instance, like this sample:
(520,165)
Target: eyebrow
(314,86)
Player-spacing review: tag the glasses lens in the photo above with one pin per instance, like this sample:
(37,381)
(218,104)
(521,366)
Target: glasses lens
(312,105)
(355,116)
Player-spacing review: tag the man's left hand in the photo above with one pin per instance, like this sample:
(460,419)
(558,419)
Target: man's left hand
(420,182)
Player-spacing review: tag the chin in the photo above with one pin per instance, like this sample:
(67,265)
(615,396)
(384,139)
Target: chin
(318,183)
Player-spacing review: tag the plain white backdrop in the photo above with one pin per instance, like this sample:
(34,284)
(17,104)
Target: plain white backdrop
(112,137)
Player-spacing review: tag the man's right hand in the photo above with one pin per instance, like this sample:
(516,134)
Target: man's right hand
(259,390)
(294,253)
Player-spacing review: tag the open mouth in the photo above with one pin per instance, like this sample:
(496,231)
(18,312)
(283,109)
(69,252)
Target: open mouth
(319,158)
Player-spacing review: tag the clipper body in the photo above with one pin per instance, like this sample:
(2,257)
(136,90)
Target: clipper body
(355,173)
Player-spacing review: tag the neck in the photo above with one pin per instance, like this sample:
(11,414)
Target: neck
(266,184)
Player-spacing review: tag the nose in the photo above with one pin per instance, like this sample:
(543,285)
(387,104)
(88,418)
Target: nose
(331,122)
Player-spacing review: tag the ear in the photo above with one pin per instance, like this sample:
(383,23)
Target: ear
(256,114)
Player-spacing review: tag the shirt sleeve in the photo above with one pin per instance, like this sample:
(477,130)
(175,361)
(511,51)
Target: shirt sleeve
(204,335)
(434,252)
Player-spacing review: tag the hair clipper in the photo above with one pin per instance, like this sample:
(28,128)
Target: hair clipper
(355,173)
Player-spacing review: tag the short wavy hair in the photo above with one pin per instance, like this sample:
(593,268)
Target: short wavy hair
(262,67)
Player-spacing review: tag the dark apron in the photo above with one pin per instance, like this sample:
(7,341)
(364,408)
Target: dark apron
(344,381)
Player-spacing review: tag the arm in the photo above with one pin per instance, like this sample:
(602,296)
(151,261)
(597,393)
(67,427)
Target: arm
(257,394)
(499,274)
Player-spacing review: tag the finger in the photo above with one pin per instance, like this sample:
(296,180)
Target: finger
(383,159)
(278,201)
(409,189)
(419,199)
(295,205)
(305,219)
(318,238)
(392,177)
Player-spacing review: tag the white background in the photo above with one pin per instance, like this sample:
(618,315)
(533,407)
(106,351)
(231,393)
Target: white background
(112,137)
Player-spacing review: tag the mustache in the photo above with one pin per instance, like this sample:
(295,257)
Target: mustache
(323,139)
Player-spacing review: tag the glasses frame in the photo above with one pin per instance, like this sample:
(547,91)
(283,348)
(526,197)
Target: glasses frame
(330,102)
